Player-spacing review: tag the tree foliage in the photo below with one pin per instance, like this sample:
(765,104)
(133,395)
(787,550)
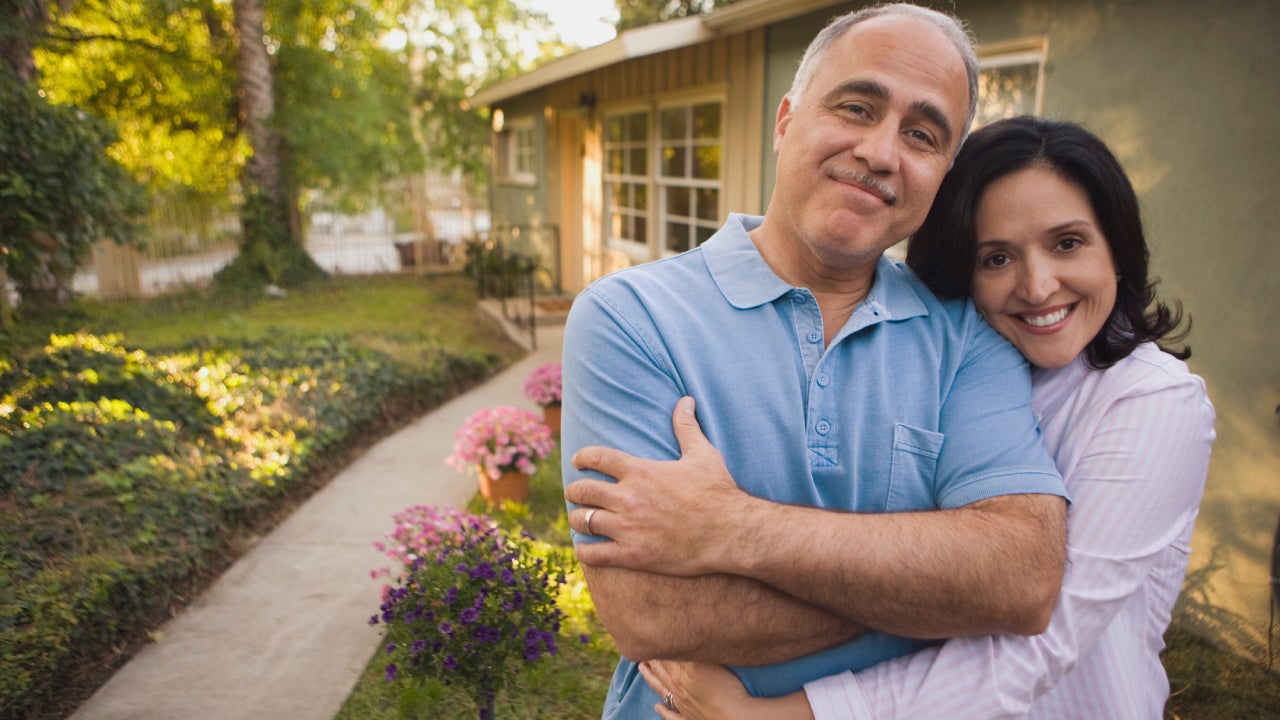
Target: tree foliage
(637,13)
(59,192)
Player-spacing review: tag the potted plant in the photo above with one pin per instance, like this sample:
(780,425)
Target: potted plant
(471,604)
(543,387)
(501,445)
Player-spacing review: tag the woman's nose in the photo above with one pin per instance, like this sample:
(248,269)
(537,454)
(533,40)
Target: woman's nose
(1038,281)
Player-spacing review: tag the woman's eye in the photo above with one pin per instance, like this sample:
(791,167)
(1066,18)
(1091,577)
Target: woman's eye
(995,260)
(1070,243)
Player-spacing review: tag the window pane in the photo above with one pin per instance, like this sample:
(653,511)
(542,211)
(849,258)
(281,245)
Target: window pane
(1005,92)
(616,162)
(615,129)
(639,163)
(703,234)
(673,161)
(706,162)
(708,204)
(641,231)
(706,121)
(674,124)
(642,197)
(638,127)
(677,237)
(678,201)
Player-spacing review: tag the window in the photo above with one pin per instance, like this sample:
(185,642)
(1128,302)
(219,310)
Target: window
(626,179)
(1011,80)
(669,154)
(689,177)
(518,152)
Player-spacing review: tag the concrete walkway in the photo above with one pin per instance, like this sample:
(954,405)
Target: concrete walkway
(283,632)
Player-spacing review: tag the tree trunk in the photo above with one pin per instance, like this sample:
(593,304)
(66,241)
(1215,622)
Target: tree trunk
(21,22)
(272,250)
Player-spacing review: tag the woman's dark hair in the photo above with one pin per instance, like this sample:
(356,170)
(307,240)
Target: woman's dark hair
(943,252)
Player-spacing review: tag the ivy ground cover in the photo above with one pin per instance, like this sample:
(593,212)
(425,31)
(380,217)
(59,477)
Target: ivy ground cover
(142,443)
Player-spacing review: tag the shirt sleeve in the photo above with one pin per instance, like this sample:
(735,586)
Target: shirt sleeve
(618,391)
(990,397)
(1136,486)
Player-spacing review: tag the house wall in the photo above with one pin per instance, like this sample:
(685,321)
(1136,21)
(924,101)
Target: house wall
(1185,92)
(515,203)
(731,67)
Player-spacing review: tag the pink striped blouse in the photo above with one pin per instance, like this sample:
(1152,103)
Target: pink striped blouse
(1133,444)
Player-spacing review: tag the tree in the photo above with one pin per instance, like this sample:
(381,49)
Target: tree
(271,250)
(351,110)
(637,13)
(59,191)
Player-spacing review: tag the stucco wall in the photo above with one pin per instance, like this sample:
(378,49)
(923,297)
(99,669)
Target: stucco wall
(1186,92)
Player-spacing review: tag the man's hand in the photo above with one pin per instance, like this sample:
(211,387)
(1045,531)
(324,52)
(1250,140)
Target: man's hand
(669,517)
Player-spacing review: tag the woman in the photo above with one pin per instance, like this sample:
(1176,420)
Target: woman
(1039,224)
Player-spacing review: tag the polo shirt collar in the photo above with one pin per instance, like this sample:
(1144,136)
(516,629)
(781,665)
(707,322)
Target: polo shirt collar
(747,281)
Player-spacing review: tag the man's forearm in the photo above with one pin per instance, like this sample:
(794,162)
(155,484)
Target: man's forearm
(991,567)
(722,619)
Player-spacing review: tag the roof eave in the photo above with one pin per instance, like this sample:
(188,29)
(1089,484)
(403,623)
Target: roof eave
(638,42)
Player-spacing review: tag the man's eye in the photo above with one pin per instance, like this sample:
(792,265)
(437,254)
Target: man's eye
(921,136)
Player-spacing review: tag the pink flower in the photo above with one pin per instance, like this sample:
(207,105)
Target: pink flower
(543,385)
(501,439)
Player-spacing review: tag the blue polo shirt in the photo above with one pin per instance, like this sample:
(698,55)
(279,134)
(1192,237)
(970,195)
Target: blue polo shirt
(916,404)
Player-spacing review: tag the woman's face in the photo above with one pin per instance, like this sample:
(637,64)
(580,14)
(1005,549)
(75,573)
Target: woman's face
(1044,277)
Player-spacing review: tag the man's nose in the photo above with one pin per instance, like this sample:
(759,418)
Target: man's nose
(877,146)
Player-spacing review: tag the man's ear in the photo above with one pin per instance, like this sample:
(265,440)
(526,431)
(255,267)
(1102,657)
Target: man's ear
(780,123)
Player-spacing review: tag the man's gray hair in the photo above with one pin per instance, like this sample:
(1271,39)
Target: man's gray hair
(950,26)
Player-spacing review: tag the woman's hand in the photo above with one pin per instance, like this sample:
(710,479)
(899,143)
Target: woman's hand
(699,691)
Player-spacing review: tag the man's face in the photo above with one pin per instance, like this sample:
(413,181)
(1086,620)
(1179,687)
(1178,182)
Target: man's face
(862,150)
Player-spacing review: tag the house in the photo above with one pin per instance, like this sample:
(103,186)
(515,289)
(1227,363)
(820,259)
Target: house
(638,148)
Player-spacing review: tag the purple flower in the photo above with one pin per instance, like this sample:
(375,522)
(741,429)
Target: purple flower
(419,645)
(392,671)
(391,647)
(373,619)
(446,628)
(469,616)
(450,662)
(584,638)
(508,577)
(451,596)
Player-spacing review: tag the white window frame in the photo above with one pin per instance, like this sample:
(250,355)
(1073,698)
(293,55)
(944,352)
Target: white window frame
(686,180)
(635,249)
(654,243)
(518,146)
(1032,53)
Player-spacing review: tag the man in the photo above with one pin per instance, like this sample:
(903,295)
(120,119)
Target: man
(829,378)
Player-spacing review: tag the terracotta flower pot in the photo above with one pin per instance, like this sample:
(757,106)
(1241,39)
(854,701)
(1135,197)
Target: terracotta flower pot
(512,485)
(551,416)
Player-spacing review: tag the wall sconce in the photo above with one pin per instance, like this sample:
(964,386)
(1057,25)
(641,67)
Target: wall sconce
(586,104)
(498,120)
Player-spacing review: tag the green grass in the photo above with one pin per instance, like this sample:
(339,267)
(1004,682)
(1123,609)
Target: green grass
(570,685)
(400,315)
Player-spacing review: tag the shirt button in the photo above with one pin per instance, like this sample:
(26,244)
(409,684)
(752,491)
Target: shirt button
(815,337)
(797,298)
(823,380)
(823,427)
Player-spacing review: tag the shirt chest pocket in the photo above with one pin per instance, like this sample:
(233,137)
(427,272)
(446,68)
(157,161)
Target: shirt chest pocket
(913,472)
